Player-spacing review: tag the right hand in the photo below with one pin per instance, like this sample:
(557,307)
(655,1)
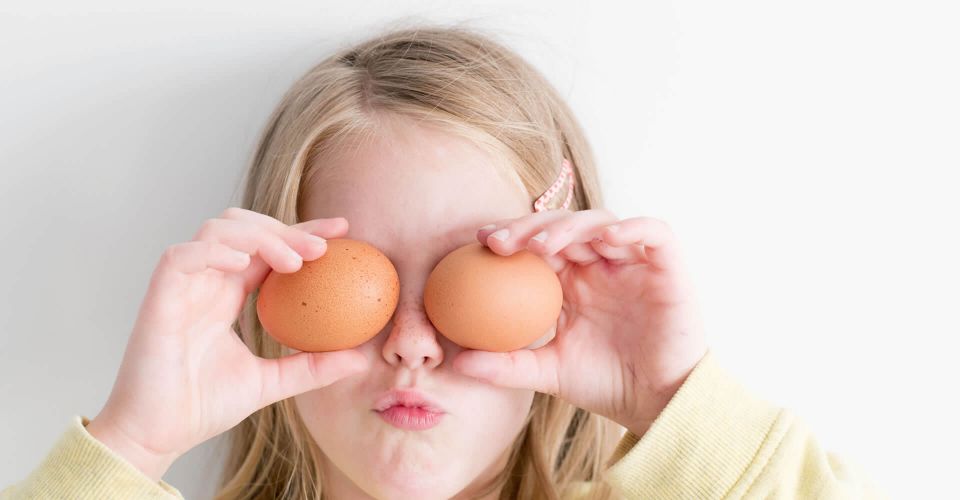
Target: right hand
(186,376)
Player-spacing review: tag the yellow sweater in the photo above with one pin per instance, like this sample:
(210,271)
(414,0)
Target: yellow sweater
(713,440)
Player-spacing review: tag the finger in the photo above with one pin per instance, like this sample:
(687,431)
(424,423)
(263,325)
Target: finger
(226,259)
(298,236)
(556,262)
(506,233)
(197,256)
(581,253)
(626,254)
(256,240)
(534,369)
(284,252)
(192,257)
(305,371)
(579,227)
(325,228)
(271,223)
(336,227)
(660,247)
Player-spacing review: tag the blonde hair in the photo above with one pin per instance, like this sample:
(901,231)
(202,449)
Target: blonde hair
(470,85)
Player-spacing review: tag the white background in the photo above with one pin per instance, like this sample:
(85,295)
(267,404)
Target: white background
(804,153)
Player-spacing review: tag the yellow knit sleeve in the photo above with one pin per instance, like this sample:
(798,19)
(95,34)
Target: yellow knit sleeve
(717,440)
(81,467)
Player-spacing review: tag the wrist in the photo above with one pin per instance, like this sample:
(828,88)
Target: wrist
(154,465)
(650,408)
(640,423)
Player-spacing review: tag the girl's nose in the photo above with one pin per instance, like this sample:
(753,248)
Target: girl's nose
(412,341)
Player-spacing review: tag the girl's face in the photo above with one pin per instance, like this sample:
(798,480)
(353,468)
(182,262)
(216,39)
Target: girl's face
(416,193)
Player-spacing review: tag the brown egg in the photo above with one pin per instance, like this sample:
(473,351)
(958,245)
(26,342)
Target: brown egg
(337,301)
(483,300)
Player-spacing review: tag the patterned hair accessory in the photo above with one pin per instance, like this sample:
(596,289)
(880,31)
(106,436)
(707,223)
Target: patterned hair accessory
(566,171)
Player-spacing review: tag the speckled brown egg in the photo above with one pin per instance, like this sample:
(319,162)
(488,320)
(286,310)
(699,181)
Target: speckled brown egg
(337,301)
(482,300)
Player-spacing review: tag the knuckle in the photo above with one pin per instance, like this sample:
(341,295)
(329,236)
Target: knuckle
(657,222)
(173,253)
(654,222)
(553,387)
(207,229)
(292,233)
(274,242)
(564,225)
(514,227)
(561,214)
(315,370)
(664,226)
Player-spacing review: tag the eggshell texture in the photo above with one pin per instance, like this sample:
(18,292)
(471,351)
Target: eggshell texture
(337,301)
(482,300)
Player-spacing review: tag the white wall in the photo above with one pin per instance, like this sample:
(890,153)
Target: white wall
(804,152)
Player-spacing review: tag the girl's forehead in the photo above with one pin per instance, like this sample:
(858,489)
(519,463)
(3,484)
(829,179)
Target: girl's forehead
(404,192)
(404,156)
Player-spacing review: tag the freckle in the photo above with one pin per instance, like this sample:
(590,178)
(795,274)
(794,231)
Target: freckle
(378,299)
(303,303)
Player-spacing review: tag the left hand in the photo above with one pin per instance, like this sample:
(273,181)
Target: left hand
(629,331)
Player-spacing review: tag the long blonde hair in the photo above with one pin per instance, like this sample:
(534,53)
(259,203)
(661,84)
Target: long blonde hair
(469,84)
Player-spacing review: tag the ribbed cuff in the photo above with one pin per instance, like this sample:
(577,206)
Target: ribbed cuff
(81,467)
(707,442)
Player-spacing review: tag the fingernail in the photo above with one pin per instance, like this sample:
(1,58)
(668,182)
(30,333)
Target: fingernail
(240,257)
(294,255)
(614,228)
(501,235)
(541,236)
(488,227)
(316,240)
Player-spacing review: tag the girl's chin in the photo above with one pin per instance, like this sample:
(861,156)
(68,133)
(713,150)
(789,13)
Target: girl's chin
(414,470)
(407,484)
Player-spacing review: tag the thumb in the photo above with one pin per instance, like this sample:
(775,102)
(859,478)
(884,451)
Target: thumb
(534,369)
(304,371)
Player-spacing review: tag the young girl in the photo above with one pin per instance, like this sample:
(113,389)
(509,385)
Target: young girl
(418,142)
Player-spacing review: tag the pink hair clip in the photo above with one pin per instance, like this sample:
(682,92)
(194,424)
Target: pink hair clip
(566,171)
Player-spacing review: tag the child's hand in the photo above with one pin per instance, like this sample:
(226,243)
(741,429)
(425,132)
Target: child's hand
(629,331)
(186,376)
